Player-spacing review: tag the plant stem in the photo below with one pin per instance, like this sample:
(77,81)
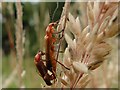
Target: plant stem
(64,12)
(19,41)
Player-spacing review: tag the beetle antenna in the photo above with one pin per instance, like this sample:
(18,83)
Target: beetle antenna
(55,11)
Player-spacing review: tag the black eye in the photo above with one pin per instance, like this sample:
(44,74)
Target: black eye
(52,24)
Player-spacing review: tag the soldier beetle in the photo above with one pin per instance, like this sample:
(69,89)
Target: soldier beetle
(50,50)
(50,40)
(43,71)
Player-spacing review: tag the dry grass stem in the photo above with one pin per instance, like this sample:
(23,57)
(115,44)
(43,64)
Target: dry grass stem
(63,21)
(19,41)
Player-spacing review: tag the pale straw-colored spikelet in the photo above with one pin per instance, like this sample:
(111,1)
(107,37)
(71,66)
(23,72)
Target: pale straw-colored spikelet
(89,48)
(73,25)
(90,15)
(80,67)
